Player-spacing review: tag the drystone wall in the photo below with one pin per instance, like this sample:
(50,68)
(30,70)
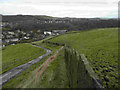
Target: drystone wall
(79,72)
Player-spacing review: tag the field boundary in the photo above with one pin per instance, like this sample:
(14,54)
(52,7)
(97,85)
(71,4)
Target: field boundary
(95,79)
(80,73)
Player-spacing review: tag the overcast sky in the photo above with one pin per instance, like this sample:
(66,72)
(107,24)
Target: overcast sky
(61,8)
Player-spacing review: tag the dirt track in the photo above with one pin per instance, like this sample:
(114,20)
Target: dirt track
(38,72)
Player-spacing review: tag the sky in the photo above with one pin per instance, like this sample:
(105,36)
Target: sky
(61,8)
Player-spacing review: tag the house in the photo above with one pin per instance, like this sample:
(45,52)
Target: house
(11,40)
(14,40)
(23,33)
(16,34)
(53,34)
(26,37)
(3,45)
(9,36)
(38,31)
(28,34)
(12,33)
(3,36)
(4,33)
(47,32)
(6,40)
(18,31)
(13,44)
(1,25)
(59,31)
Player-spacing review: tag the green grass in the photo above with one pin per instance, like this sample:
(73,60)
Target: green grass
(54,76)
(18,54)
(100,46)
(43,40)
(20,80)
(6,29)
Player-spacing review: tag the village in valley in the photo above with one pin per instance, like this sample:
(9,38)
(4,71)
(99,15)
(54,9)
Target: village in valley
(28,28)
(19,36)
(13,31)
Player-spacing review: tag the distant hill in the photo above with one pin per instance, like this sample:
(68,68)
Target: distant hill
(42,22)
(17,18)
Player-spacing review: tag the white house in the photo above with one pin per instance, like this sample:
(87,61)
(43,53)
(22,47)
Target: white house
(3,45)
(13,40)
(59,31)
(12,33)
(47,32)
(13,44)
(26,37)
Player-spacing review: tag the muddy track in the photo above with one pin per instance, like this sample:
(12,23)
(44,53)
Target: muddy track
(38,72)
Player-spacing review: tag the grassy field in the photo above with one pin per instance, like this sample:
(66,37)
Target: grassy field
(20,80)
(18,54)
(54,77)
(43,40)
(100,46)
(6,29)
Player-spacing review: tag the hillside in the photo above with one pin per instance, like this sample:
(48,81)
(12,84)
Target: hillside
(18,54)
(18,18)
(42,22)
(100,47)
(23,79)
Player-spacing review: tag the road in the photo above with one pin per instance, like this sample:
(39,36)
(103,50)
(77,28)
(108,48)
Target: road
(19,69)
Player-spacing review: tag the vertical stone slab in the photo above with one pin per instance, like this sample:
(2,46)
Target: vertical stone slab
(92,79)
(81,82)
(80,73)
(75,59)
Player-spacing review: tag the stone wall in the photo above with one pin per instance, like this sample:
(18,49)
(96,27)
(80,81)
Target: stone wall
(79,72)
